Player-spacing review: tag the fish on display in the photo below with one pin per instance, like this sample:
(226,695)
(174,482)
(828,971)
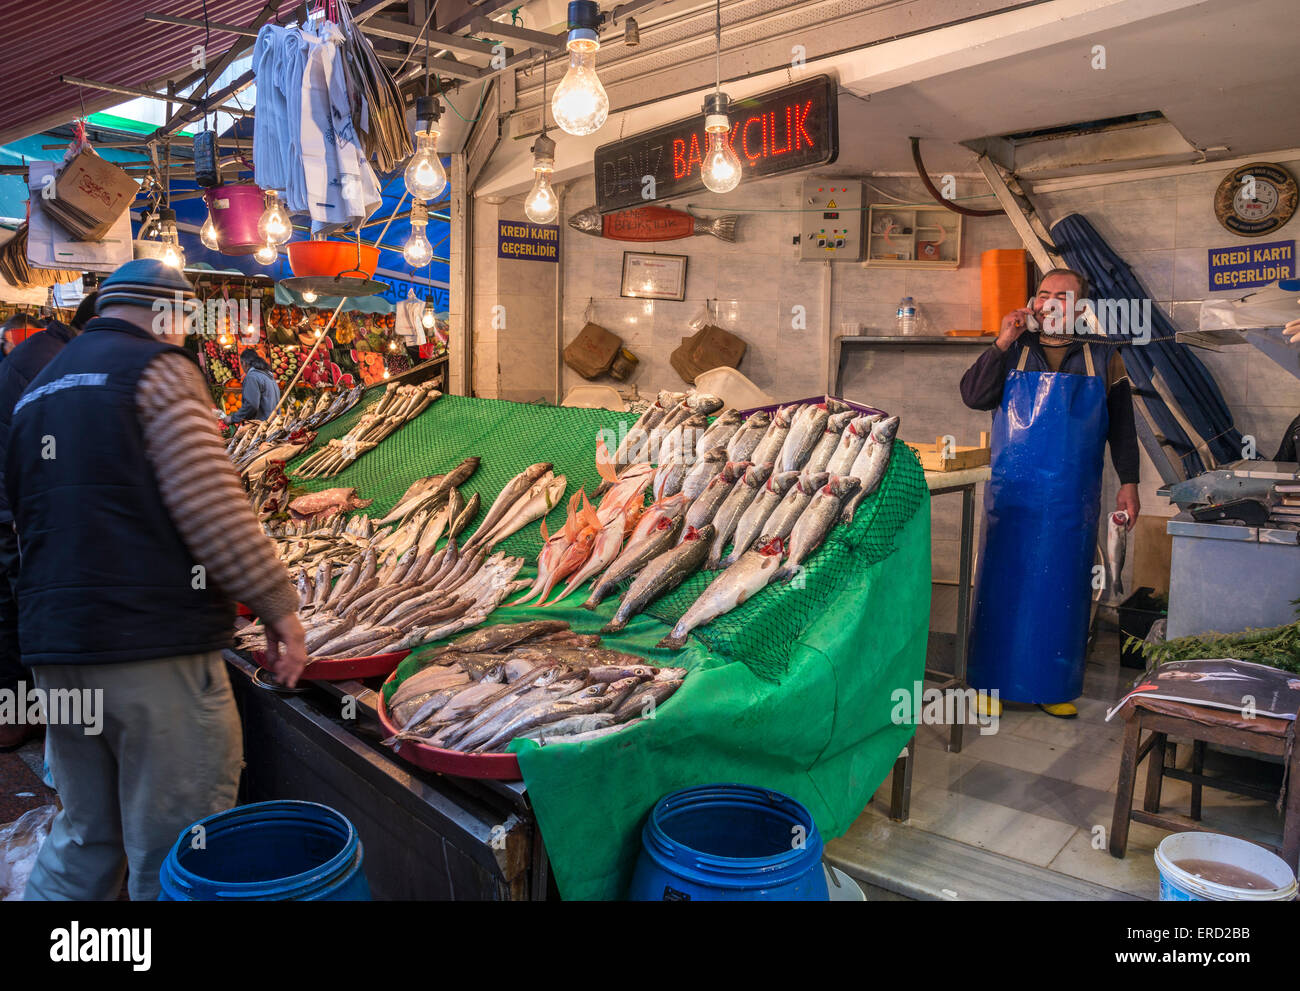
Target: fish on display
(510,494)
(751,522)
(772,441)
(540,498)
(747,438)
(604,549)
(871,462)
(635,556)
(732,587)
(721,430)
(830,440)
(733,507)
(338,500)
(663,574)
(668,478)
(815,522)
(1116,545)
(652,223)
(804,434)
(796,500)
(700,474)
(702,509)
(855,435)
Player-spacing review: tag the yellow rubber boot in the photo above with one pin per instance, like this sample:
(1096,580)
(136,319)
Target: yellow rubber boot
(987,706)
(1061,710)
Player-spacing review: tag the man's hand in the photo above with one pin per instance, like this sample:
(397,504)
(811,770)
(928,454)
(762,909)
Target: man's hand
(1127,501)
(286,663)
(1014,324)
(1292,331)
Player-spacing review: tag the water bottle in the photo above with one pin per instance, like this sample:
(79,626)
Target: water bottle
(906,317)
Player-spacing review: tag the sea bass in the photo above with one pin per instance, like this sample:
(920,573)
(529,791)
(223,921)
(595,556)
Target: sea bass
(805,432)
(747,438)
(830,439)
(730,589)
(850,444)
(770,446)
(702,509)
(871,462)
(634,557)
(750,525)
(788,511)
(700,474)
(733,507)
(815,522)
(1116,545)
(662,575)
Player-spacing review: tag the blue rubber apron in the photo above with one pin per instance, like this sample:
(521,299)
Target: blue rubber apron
(1033,588)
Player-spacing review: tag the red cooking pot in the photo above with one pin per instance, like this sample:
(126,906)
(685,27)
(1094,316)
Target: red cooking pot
(329,259)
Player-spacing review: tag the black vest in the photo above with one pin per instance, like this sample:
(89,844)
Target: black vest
(105,577)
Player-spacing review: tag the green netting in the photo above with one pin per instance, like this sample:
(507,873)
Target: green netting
(792,691)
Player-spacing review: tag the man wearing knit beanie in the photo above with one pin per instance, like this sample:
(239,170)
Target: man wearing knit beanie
(136,538)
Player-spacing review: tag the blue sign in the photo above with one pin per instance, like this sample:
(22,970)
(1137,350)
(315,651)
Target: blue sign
(528,242)
(437,296)
(1249,266)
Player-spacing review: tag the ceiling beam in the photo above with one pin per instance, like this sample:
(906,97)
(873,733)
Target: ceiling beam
(194,22)
(397,31)
(532,38)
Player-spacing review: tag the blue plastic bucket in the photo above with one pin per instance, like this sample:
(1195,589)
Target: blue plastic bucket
(1179,885)
(729,843)
(270,851)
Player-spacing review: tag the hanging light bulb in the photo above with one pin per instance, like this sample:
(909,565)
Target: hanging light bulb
(166,229)
(309,297)
(417,251)
(208,235)
(274,226)
(392,345)
(266,254)
(542,205)
(427,319)
(580,104)
(425,176)
(720,169)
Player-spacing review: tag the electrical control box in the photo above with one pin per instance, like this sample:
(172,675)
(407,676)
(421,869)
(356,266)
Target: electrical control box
(830,219)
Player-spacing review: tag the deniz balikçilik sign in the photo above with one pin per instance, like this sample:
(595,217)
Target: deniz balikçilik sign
(795,127)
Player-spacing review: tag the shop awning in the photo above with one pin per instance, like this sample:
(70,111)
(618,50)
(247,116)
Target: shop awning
(106,42)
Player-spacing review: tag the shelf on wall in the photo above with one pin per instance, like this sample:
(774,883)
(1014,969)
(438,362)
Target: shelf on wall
(913,236)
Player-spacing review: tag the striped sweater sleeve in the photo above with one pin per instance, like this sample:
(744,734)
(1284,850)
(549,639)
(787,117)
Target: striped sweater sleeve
(201,491)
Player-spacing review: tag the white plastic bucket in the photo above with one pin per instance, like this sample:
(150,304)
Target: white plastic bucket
(1178,885)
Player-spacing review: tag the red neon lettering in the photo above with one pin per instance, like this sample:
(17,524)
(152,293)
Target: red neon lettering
(776,149)
(693,156)
(744,142)
(680,168)
(799,120)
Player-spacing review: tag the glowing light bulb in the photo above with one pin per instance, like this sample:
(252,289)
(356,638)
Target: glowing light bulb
(427,319)
(266,254)
(417,251)
(274,226)
(425,176)
(720,169)
(580,104)
(542,205)
(309,297)
(208,235)
(392,345)
(173,256)
(385,373)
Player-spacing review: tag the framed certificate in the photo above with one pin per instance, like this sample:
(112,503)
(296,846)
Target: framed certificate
(647,275)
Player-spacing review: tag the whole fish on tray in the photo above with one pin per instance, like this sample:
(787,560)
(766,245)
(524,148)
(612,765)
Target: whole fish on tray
(815,522)
(733,587)
(652,223)
(663,574)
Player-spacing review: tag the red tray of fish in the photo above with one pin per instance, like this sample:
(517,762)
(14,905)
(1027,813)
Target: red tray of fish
(243,610)
(346,668)
(498,767)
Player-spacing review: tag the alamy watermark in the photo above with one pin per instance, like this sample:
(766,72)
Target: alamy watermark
(921,706)
(1112,317)
(212,317)
(23,706)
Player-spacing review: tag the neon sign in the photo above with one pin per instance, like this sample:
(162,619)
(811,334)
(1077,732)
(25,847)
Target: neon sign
(781,131)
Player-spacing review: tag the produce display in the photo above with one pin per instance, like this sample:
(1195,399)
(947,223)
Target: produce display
(538,681)
(769,488)
(399,405)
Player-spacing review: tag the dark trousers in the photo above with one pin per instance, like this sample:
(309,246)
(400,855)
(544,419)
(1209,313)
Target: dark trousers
(11,666)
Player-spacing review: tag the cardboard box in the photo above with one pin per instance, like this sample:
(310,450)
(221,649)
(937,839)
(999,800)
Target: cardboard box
(1152,550)
(592,352)
(681,361)
(90,195)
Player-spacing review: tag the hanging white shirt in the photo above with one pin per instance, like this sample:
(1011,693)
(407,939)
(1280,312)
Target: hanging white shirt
(409,324)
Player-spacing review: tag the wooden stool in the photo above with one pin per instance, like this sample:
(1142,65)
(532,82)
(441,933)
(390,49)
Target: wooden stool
(1203,725)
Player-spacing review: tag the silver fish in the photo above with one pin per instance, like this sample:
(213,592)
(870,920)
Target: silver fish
(721,430)
(747,438)
(802,438)
(634,557)
(815,522)
(851,441)
(703,471)
(662,575)
(730,589)
(787,513)
(871,462)
(830,439)
(772,441)
(1116,544)
(751,522)
(733,507)
(702,509)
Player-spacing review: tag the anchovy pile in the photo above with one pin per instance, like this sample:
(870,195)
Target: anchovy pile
(538,681)
(399,405)
(287,433)
(753,496)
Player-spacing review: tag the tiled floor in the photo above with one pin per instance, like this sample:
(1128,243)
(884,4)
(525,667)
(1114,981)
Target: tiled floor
(1041,790)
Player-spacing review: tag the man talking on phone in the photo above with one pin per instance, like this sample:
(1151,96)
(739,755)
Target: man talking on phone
(1057,398)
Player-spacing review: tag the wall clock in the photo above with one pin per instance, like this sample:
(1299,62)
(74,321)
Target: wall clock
(1256,199)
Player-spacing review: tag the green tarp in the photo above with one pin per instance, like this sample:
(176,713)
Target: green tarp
(791,691)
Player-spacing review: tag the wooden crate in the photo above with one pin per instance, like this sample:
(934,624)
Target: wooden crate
(932,458)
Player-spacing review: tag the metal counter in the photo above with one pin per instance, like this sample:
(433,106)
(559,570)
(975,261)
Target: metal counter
(425,836)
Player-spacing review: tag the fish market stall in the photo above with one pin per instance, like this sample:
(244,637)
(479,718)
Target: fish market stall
(789,690)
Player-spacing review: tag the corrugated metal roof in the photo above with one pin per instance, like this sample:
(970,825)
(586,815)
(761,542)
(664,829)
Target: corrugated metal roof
(105,40)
